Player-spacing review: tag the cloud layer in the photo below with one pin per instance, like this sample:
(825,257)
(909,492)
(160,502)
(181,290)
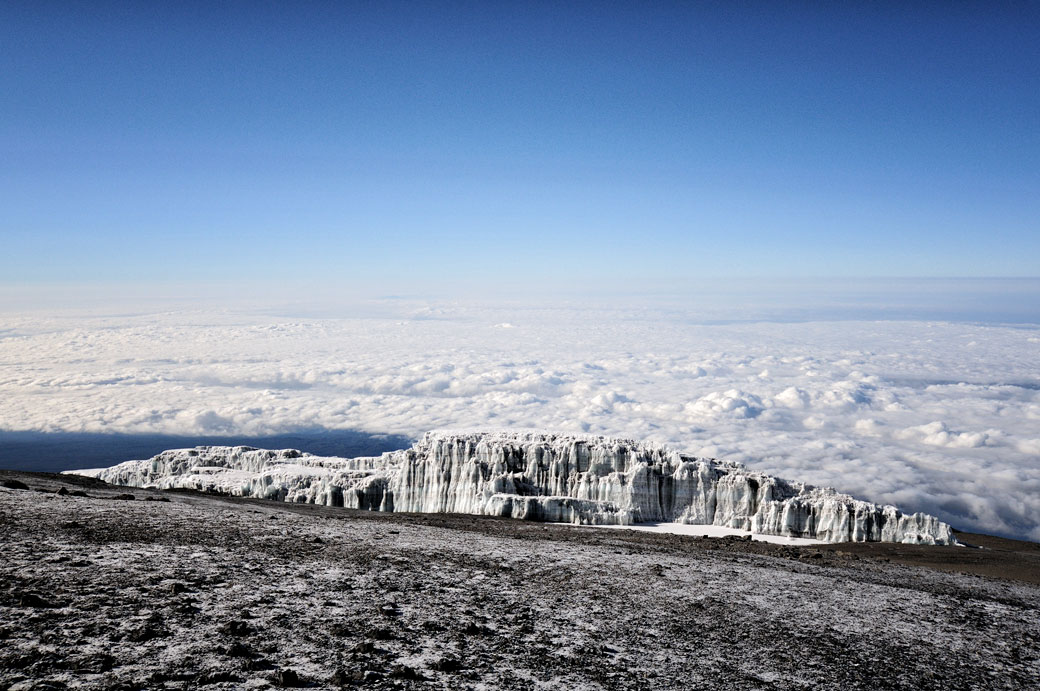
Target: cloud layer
(939,417)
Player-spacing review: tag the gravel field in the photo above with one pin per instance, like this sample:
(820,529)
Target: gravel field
(182,590)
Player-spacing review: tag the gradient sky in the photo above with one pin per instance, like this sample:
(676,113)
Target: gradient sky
(426,144)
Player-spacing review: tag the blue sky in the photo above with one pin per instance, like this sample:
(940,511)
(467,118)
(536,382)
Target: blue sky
(448,145)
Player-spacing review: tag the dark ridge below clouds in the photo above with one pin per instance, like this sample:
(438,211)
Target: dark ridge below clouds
(57,451)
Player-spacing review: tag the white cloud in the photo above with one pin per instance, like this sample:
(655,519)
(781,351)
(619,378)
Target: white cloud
(892,411)
(793,397)
(939,434)
(731,403)
(868,426)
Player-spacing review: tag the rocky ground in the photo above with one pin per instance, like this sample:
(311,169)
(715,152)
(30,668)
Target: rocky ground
(182,590)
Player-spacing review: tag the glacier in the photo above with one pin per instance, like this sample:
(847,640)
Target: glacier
(580,479)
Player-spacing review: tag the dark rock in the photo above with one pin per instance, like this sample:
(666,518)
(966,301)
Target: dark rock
(20,662)
(447,664)
(124,497)
(258,664)
(62,492)
(216,678)
(157,499)
(381,634)
(34,600)
(236,628)
(159,678)
(237,649)
(187,608)
(475,629)
(96,664)
(286,678)
(15,484)
(124,686)
(406,672)
(78,493)
(176,588)
(145,633)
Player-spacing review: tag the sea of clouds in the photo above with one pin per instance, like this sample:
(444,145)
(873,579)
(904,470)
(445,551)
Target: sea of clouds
(940,417)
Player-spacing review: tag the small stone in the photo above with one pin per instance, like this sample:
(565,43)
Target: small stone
(216,678)
(364,647)
(382,634)
(406,672)
(235,628)
(96,664)
(145,633)
(34,600)
(473,628)
(340,630)
(62,492)
(287,678)
(447,664)
(258,664)
(14,484)
(237,649)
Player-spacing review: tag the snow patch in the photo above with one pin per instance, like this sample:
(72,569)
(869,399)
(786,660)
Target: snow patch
(713,531)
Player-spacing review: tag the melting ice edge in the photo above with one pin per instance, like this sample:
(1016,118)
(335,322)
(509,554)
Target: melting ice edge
(540,476)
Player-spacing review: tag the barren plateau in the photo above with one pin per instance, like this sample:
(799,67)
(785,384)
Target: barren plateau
(187,590)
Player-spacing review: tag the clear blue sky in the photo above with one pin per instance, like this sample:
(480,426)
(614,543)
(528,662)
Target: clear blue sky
(417,143)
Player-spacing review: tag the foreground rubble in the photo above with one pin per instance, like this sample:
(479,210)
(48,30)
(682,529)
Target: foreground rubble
(182,590)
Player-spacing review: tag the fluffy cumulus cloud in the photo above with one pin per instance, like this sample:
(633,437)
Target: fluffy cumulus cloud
(938,417)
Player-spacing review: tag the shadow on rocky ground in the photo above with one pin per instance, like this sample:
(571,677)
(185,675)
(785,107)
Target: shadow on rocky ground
(104,587)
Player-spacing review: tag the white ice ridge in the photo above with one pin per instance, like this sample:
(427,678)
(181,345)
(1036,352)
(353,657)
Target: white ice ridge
(587,480)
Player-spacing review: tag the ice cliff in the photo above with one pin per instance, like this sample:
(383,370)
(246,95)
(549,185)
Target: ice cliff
(538,476)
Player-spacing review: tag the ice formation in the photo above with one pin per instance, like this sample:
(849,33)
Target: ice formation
(538,476)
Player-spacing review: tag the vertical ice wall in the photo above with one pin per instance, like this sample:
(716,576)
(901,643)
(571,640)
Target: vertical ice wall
(539,476)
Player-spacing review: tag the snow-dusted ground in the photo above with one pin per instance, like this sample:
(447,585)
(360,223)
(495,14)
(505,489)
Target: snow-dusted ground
(200,591)
(937,417)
